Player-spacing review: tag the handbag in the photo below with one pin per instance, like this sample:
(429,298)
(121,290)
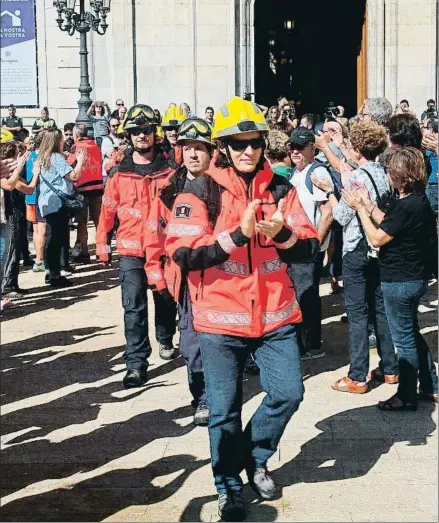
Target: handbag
(72,202)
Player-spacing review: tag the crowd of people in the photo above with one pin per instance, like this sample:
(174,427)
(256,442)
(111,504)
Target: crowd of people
(229,220)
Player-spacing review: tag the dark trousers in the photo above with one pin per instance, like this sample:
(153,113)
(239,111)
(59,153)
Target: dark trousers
(57,241)
(414,356)
(190,350)
(277,356)
(306,279)
(18,247)
(363,298)
(134,301)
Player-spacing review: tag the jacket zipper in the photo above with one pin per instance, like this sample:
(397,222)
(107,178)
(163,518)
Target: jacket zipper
(249,254)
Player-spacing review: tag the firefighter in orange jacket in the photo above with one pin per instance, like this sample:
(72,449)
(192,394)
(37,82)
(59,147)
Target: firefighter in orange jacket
(128,194)
(194,138)
(235,242)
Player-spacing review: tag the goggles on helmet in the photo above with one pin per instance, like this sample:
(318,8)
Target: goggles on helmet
(193,128)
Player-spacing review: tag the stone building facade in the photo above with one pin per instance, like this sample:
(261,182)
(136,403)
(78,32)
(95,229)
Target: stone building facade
(202,52)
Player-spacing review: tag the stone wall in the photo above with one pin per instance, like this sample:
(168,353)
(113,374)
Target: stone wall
(193,50)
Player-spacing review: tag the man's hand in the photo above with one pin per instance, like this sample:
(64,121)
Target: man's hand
(81,156)
(7,167)
(248,222)
(321,142)
(273,227)
(429,142)
(122,148)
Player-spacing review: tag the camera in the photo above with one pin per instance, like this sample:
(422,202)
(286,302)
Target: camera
(248,96)
(332,111)
(431,113)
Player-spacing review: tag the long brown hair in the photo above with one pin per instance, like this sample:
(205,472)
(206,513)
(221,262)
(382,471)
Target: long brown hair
(51,143)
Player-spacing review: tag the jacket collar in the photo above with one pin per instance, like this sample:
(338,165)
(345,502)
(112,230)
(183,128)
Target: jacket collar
(153,169)
(228,179)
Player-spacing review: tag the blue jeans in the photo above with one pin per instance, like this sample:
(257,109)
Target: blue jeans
(414,356)
(277,356)
(432,194)
(5,237)
(363,300)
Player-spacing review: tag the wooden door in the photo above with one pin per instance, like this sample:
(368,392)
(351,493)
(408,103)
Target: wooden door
(362,66)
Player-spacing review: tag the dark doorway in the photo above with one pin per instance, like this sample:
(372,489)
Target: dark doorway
(307,50)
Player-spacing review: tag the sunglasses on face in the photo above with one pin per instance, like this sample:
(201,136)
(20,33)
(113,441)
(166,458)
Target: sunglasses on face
(241,145)
(119,104)
(171,129)
(142,130)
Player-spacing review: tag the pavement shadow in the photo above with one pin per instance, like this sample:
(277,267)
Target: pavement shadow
(84,288)
(354,441)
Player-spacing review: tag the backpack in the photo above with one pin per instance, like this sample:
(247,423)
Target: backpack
(335,177)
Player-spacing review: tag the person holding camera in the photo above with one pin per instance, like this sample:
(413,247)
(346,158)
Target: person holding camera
(431,111)
(287,120)
(98,114)
(429,146)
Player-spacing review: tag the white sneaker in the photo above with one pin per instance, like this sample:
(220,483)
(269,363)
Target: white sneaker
(65,273)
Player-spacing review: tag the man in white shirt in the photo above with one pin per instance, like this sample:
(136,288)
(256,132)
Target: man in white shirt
(306,276)
(109,144)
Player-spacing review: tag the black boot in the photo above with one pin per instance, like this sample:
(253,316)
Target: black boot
(135,378)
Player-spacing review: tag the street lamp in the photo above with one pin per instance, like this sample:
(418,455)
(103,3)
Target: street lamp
(70,20)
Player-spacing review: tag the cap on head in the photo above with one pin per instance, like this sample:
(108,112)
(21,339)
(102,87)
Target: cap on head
(195,129)
(6,136)
(139,116)
(302,137)
(238,116)
(173,117)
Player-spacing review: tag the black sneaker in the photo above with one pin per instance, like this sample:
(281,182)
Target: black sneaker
(250,365)
(47,278)
(62,281)
(28,264)
(231,506)
(135,378)
(82,258)
(201,416)
(262,483)
(167,352)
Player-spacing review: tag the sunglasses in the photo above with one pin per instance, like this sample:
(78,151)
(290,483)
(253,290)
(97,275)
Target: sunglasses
(241,145)
(120,104)
(142,130)
(172,128)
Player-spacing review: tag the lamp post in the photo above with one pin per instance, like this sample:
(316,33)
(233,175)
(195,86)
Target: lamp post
(70,20)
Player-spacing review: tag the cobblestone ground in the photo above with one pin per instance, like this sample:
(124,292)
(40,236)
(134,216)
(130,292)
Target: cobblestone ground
(76,446)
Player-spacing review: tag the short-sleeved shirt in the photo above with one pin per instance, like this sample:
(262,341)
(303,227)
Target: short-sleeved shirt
(411,222)
(31,198)
(100,125)
(40,123)
(310,200)
(48,201)
(13,121)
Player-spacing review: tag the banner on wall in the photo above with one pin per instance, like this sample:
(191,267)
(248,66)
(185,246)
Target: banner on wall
(19,78)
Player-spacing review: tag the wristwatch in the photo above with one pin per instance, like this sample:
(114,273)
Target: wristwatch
(328,194)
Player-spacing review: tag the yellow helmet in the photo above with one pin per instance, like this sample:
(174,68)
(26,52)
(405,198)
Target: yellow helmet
(120,131)
(238,116)
(139,116)
(173,117)
(6,136)
(160,133)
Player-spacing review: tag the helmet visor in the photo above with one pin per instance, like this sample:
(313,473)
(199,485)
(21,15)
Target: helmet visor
(191,130)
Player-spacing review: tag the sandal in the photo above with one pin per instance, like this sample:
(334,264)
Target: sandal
(389,405)
(347,385)
(379,377)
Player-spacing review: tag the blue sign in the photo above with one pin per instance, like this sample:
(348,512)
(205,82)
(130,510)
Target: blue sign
(19,85)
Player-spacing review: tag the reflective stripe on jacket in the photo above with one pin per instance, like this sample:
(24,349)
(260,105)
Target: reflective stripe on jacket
(239,286)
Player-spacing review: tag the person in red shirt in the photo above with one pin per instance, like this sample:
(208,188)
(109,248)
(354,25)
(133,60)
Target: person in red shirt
(234,231)
(90,185)
(194,138)
(129,191)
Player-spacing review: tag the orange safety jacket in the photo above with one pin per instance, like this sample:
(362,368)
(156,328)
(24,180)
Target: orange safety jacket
(91,174)
(239,286)
(154,237)
(128,195)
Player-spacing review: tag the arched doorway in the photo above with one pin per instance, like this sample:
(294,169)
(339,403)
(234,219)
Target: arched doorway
(311,52)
